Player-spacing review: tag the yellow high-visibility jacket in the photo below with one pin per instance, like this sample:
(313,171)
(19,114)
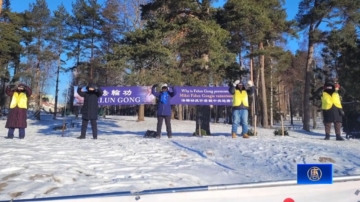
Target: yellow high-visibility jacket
(327,100)
(19,99)
(240,97)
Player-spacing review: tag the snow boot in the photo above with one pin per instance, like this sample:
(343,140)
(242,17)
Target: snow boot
(233,135)
(327,137)
(339,138)
(21,133)
(169,136)
(81,137)
(245,136)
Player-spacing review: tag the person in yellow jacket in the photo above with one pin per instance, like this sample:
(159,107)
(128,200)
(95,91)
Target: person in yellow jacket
(17,116)
(331,107)
(240,106)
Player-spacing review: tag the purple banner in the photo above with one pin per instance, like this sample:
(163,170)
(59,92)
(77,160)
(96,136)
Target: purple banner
(135,95)
(192,95)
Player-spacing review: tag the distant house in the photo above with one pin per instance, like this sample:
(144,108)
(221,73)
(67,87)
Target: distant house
(48,103)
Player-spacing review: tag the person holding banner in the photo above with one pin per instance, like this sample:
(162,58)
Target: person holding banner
(90,108)
(163,108)
(240,106)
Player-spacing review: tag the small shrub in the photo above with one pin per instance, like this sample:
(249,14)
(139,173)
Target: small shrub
(203,133)
(278,132)
(251,132)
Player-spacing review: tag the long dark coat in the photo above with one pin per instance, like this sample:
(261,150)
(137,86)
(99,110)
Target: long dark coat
(17,116)
(90,108)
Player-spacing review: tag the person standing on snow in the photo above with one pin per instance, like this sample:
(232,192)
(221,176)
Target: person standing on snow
(163,108)
(17,116)
(240,106)
(90,108)
(331,107)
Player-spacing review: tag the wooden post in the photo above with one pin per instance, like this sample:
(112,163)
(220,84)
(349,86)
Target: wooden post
(282,125)
(199,131)
(1,5)
(66,99)
(64,124)
(255,134)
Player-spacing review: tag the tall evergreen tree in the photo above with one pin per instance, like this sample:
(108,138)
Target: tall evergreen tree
(253,24)
(92,32)
(38,51)
(76,35)
(76,47)
(341,58)
(112,30)
(195,39)
(311,14)
(58,33)
(11,34)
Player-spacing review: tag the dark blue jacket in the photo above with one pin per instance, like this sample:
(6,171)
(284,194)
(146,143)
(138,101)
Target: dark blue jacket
(163,109)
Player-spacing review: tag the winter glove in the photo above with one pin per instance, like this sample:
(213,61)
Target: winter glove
(91,87)
(230,84)
(13,87)
(81,87)
(236,82)
(342,113)
(250,83)
(22,86)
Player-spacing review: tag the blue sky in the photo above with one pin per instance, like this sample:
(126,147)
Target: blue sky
(291,7)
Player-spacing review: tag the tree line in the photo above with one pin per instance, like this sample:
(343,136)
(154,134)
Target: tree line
(187,42)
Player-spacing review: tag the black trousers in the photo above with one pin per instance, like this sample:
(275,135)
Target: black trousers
(93,127)
(167,123)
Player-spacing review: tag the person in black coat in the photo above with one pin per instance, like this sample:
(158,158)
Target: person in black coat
(90,108)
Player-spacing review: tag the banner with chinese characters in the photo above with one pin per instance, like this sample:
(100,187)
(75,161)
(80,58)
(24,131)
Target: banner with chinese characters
(192,95)
(135,95)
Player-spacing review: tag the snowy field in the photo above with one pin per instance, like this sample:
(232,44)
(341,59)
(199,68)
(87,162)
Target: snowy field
(45,164)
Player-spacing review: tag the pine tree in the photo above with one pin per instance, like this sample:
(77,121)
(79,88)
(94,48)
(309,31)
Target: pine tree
(313,13)
(38,52)
(59,31)
(341,57)
(112,30)
(196,41)
(252,25)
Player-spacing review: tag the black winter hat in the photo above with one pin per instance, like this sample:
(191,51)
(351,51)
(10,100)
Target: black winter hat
(329,82)
(91,85)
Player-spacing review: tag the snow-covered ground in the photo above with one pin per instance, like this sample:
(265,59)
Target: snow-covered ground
(45,164)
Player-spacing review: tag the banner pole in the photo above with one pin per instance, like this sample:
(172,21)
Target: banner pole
(66,98)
